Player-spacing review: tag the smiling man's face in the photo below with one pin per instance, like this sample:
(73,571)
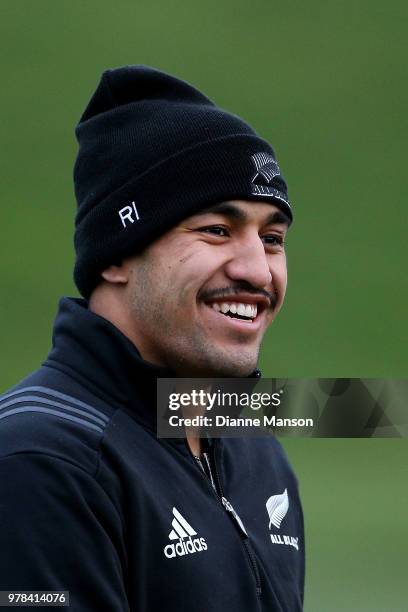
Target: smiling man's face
(200,298)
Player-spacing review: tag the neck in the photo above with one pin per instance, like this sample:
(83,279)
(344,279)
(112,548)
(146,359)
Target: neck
(194,443)
(194,409)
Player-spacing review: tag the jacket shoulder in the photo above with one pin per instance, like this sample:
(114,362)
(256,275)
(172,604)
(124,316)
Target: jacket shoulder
(48,413)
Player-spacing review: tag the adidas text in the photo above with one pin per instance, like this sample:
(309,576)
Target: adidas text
(185,547)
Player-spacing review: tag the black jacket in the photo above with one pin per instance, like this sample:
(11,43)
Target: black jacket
(93,503)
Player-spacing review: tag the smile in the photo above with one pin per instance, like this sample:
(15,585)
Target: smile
(243,313)
(236,310)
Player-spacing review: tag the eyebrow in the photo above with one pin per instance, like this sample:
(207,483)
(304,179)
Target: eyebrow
(233,212)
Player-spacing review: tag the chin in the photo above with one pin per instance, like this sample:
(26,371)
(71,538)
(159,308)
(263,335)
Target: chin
(235,372)
(213,361)
(240,368)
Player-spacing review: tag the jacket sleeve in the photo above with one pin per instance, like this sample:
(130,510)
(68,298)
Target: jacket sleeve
(60,531)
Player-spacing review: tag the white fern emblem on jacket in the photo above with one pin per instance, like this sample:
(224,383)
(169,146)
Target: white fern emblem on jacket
(277,507)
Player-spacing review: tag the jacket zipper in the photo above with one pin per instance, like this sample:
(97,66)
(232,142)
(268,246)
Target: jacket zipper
(228,507)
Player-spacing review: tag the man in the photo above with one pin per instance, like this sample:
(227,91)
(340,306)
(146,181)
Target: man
(182,216)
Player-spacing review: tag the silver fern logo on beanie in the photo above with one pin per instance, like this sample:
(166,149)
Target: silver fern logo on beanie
(267,169)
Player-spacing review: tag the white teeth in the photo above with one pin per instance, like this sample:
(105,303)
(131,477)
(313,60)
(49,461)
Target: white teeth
(249,312)
(243,310)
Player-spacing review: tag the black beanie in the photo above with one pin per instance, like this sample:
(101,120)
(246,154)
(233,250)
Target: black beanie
(153,150)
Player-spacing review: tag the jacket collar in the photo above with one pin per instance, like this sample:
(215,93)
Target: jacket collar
(95,352)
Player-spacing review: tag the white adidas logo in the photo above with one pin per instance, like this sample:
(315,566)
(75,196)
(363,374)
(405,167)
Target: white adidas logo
(183,532)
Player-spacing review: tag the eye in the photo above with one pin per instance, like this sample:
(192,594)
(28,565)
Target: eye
(216,230)
(273,240)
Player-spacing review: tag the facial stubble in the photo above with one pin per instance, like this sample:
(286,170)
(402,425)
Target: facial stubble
(182,342)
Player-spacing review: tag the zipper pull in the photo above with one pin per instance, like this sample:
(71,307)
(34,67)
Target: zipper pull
(228,507)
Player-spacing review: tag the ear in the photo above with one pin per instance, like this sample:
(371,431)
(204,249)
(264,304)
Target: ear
(118,274)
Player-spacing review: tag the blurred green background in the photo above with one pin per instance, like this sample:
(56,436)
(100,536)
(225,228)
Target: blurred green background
(326,83)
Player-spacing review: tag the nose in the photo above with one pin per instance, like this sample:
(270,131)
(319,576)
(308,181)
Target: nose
(249,263)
